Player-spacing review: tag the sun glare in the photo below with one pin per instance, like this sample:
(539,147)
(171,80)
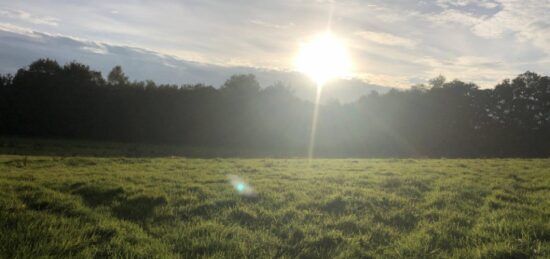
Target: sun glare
(324,58)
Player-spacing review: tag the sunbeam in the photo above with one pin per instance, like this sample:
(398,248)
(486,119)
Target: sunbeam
(314,122)
(323,59)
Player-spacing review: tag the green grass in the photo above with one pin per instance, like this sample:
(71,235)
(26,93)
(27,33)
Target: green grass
(186,208)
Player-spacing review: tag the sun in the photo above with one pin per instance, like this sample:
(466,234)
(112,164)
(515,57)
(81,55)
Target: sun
(324,58)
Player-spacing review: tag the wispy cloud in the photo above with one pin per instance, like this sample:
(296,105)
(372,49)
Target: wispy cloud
(8,27)
(529,20)
(272,25)
(96,48)
(456,17)
(387,39)
(25,16)
(462,3)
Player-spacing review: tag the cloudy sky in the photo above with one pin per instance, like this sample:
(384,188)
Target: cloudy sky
(393,43)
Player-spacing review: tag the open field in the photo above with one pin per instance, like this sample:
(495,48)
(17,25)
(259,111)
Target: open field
(186,208)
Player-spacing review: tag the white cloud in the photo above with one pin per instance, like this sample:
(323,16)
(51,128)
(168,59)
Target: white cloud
(18,29)
(96,48)
(25,16)
(387,39)
(528,19)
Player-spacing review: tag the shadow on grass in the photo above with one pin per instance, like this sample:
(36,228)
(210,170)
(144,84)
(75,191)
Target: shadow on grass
(138,208)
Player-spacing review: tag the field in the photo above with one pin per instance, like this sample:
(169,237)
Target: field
(174,207)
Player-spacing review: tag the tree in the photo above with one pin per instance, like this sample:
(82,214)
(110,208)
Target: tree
(6,80)
(45,66)
(117,77)
(437,82)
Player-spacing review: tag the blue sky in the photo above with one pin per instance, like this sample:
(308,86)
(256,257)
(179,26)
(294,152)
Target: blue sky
(393,43)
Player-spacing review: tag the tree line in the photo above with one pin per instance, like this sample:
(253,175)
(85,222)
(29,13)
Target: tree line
(440,119)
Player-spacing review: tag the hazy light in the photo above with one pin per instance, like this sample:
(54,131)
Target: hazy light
(324,58)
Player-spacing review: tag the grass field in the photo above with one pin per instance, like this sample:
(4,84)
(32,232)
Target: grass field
(187,208)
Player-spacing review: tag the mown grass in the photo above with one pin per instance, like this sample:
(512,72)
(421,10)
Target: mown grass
(186,208)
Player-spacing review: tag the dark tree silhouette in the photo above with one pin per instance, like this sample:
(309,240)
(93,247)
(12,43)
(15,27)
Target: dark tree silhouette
(117,77)
(441,119)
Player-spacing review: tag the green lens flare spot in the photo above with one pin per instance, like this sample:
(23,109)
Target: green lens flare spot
(241,187)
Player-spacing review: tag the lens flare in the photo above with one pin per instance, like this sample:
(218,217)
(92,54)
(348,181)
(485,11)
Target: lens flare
(241,186)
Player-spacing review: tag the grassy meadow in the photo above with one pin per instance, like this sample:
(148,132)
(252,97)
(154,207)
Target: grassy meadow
(175,207)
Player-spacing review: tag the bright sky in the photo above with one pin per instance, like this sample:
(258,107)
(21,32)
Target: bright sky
(392,43)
